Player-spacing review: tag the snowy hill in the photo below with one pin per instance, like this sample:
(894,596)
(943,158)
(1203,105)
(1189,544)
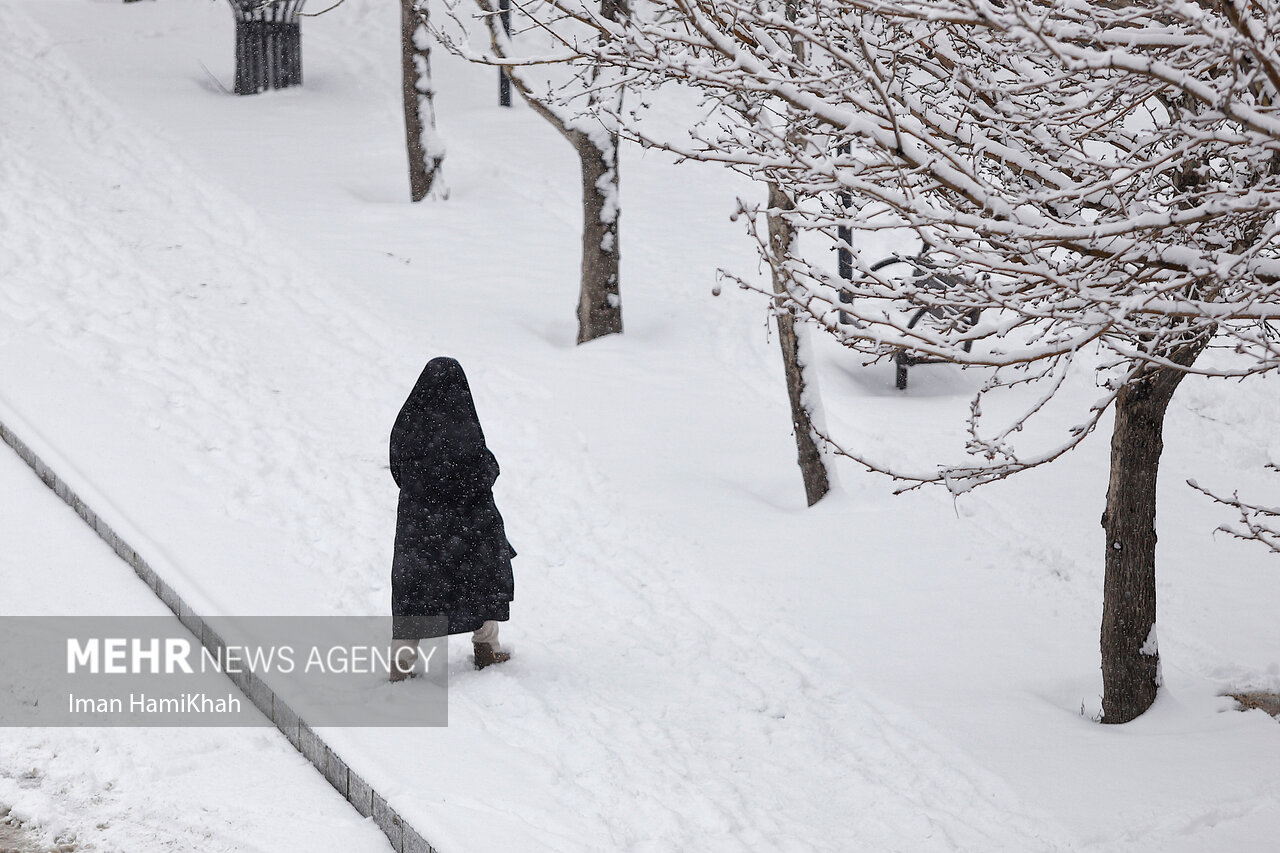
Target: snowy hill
(214,306)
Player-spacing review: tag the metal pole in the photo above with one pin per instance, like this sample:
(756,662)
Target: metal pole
(844,251)
(504,83)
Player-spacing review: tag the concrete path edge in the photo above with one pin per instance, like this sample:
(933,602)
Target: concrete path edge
(355,790)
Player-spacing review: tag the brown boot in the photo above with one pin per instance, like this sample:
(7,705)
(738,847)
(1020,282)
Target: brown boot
(485,655)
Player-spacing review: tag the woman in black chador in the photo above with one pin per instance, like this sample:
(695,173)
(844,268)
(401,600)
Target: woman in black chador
(452,567)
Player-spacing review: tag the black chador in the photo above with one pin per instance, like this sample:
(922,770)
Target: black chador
(452,566)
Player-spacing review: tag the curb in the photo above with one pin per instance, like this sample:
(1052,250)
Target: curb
(355,790)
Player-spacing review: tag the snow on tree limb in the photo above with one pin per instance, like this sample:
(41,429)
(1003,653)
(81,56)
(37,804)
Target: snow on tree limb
(1257,523)
(1091,177)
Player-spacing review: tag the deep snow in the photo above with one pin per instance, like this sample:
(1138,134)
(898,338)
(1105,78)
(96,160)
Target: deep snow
(213,307)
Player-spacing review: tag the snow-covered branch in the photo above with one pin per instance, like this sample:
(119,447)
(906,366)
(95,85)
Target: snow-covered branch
(1257,523)
(1082,174)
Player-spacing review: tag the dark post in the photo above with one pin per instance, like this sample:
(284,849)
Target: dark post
(504,83)
(844,251)
(268,45)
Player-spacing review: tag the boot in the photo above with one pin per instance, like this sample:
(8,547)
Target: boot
(402,664)
(486,655)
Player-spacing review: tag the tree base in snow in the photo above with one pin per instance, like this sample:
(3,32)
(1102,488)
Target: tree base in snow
(268,46)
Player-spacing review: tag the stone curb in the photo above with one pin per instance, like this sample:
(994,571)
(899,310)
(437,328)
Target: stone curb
(355,790)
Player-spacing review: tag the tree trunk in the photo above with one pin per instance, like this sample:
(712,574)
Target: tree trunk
(1130,656)
(504,82)
(813,467)
(599,301)
(599,297)
(425,150)
(268,45)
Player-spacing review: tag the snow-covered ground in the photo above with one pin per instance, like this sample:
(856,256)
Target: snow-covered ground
(141,789)
(214,306)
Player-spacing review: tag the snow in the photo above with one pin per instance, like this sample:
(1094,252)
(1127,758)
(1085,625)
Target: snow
(212,307)
(1150,646)
(142,789)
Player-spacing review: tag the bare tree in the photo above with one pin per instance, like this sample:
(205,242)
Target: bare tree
(792,339)
(796,354)
(1099,182)
(425,149)
(580,107)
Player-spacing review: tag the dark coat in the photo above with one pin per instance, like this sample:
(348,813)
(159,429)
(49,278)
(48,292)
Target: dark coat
(452,559)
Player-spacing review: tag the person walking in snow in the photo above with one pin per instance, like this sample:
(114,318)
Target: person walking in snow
(451,572)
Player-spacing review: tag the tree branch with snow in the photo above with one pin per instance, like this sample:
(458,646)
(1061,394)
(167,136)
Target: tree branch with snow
(1096,186)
